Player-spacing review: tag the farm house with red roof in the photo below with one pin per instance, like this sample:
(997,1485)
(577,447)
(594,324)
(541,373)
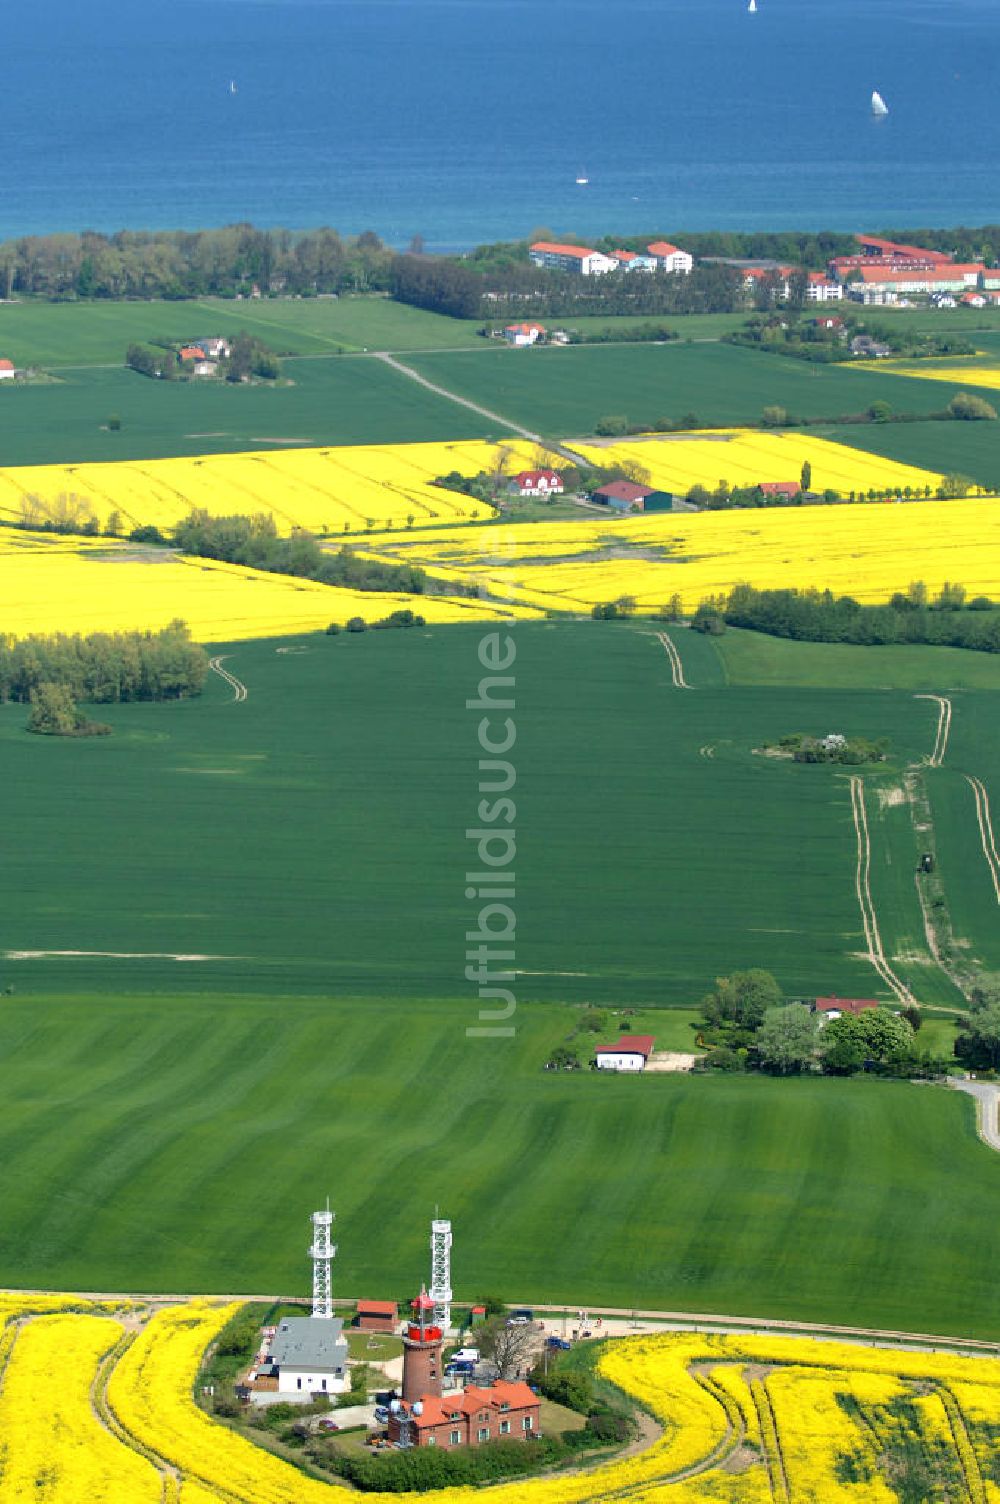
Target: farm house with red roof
(629,1053)
(536,483)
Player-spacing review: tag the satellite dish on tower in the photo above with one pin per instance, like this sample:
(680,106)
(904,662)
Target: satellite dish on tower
(418,1407)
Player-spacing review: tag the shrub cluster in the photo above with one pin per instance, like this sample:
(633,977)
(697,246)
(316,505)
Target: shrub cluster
(104,667)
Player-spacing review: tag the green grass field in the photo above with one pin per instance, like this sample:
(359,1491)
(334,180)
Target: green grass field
(754,658)
(353,400)
(75,334)
(566,391)
(311,839)
(182,1147)
(971,449)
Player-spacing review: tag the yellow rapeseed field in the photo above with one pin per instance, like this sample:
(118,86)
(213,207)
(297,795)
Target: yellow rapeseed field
(746,1419)
(962,370)
(76,585)
(345,491)
(746,457)
(866,550)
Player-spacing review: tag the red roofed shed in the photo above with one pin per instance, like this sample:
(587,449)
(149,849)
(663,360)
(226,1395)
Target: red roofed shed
(840,1005)
(377,1315)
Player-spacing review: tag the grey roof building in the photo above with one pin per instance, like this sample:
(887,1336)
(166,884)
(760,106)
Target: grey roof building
(307,1355)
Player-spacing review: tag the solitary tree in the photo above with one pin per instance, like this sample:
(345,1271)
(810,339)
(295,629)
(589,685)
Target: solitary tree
(807,475)
(786,1040)
(508,1348)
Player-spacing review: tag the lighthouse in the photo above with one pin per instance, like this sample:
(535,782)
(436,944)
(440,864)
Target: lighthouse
(422,1343)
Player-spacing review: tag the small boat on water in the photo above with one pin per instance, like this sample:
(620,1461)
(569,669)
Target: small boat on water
(879,106)
(232,86)
(582,179)
(752,7)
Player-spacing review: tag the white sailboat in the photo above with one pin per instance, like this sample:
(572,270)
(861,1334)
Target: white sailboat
(232,86)
(752,7)
(582,179)
(879,106)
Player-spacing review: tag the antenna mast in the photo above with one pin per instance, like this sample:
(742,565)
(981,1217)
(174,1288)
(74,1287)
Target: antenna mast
(322,1253)
(440,1291)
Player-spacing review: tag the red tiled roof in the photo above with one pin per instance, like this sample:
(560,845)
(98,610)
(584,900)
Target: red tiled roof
(532,477)
(6,365)
(664,248)
(524,328)
(192,352)
(516,1395)
(377,1308)
(628,1044)
(844,1004)
(908,252)
(943,273)
(562,250)
(624,490)
(779,487)
(625,255)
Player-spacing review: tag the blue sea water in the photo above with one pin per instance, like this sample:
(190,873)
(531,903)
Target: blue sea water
(467,120)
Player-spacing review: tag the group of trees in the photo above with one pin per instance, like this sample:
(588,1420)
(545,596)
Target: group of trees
(810,339)
(946,620)
(748,1025)
(248,357)
(181,264)
(254,542)
(102,667)
(851,751)
(978,1043)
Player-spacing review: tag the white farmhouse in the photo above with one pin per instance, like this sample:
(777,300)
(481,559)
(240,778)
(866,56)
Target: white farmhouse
(571,258)
(629,1053)
(523,334)
(7,370)
(670,258)
(307,1355)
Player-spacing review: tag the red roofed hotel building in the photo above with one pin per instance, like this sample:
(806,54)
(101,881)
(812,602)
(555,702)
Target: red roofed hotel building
(885,284)
(670,258)
(571,258)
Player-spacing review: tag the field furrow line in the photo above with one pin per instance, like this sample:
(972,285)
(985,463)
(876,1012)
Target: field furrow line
(943,728)
(236,685)
(862,884)
(987,839)
(676,666)
(772,1447)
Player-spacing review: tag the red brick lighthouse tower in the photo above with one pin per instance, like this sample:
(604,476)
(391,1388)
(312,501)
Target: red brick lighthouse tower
(422,1343)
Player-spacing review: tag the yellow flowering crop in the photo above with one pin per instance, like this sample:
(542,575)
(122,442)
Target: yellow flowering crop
(865,550)
(746,457)
(746,1419)
(966,371)
(56,586)
(54,1447)
(346,491)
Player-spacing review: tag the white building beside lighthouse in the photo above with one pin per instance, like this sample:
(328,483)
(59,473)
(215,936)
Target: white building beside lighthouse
(308,1354)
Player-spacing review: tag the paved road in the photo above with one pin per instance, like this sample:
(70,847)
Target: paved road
(987,1097)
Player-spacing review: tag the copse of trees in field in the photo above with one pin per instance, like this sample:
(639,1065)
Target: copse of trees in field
(254,542)
(978,1042)
(101,668)
(948,619)
(748,1025)
(811,339)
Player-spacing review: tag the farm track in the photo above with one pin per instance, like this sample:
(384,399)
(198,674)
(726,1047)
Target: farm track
(676,666)
(986,834)
(862,883)
(236,685)
(943,729)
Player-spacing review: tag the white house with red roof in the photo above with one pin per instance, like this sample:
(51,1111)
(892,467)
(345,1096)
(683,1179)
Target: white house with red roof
(822,289)
(836,1007)
(523,334)
(571,258)
(536,483)
(7,370)
(629,1053)
(635,261)
(670,258)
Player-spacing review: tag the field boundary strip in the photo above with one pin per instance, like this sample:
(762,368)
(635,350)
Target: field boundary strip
(986,834)
(238,687)
(676,665)
(862,884)
(943,729)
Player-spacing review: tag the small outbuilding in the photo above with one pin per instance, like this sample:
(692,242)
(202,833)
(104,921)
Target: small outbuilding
(627,496)
(7,370)
(376,1316)
(629,1053)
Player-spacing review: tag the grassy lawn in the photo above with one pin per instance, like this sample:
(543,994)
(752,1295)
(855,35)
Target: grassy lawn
(755,658)
(566,391)
(553,1418)
(373,1347)
(126,1124)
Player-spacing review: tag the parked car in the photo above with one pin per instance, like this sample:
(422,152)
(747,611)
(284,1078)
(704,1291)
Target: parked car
(382,1413)
(328,1425)
(558,1343)
(465,1355)
(459,1370)
(521,1317)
